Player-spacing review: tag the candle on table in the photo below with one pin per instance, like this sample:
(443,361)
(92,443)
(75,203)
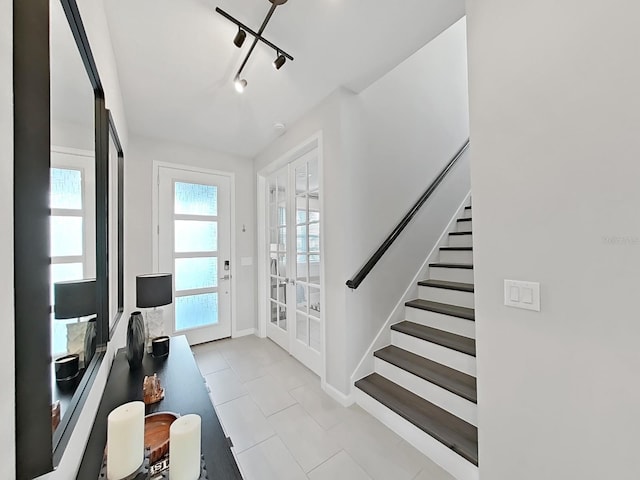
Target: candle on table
(125,440)
(184,448)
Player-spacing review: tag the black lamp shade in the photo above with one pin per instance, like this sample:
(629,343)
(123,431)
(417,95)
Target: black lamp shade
(154,290)
(76,298)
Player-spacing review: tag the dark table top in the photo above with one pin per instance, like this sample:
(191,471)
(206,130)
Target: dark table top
(185,392)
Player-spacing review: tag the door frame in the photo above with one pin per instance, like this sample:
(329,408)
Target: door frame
(314,141)
(232,202)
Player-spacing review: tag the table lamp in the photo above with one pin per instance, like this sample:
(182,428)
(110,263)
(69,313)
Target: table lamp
(154,290)
(77,299)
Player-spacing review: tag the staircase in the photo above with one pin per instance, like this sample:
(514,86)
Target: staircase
(424,385)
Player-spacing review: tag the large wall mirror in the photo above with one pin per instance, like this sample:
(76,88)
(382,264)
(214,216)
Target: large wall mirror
(68,228)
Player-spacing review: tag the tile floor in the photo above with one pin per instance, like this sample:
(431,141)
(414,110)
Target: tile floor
(284,427)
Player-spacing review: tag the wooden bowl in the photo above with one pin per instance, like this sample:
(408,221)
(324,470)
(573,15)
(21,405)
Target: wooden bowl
(156,434)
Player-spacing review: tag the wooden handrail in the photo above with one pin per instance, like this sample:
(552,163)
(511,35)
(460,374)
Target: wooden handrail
(357,279)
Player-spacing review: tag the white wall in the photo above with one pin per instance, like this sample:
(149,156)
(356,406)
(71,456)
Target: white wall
(7,359)
(382,148)
(555,181)
(138,215)
(409,124)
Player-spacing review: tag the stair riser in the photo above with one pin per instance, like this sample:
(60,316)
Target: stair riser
(463,226)
(462,275)
(460,407)
(461,240)
(467,213)
(444,295)
(440,321)
(456,256)
(449,460)
(445,356)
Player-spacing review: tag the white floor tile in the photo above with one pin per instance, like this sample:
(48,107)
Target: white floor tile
(224,386)
(269,395)
(431,471)
(210,361)
(339,467)
(322,408)
(244,423)
(292,374)
(309,443)
(270,460)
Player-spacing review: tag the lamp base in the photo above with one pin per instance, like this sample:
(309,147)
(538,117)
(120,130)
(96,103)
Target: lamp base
(154,326)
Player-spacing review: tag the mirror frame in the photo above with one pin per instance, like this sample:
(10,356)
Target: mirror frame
(37,450)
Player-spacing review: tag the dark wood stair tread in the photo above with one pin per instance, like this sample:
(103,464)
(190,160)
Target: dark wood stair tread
(444,308)
(457,249)
(455,433)
(462,287)
(460,233)
(464,219)
(452,380)
(467,266)
(467,207)
(440,337)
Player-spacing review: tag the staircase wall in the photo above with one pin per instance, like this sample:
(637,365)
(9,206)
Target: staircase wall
(555,182)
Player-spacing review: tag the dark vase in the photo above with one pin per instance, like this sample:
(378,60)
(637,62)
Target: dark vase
(135,340)
(89,342)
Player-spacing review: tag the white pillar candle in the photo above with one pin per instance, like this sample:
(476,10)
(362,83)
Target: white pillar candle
(125,440)
(184,448)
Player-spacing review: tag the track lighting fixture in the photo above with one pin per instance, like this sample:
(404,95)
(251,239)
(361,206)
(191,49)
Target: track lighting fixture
(239,38)
(282,56)
(240,84)
(279,62)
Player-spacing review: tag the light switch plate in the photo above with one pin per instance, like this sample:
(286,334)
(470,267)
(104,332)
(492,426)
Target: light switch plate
(519,294)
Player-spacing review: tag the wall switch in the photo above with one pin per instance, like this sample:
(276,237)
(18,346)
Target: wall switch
(520,294)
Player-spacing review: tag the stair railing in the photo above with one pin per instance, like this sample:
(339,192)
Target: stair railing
(355,281)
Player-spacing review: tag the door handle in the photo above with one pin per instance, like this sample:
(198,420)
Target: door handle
(226,277)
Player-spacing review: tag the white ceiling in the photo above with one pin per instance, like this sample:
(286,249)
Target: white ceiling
(176,61)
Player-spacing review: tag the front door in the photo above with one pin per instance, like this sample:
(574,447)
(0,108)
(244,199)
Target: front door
(194,245)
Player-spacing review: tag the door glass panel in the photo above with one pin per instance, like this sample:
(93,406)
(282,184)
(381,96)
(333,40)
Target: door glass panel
(274,288)
(283,317)
(273,191)
(302,328)
(196,236)
(314,334)
(301,268)
(273,215)
(301,239)
(314,183)
(314,302)
(66,189)
(282,187)
(66,236)
(282,239)
(314,237)
(196,310)
(301,179)
(192,273)
(282,291)
(301,210)
(194,199)
(301,298)
(314,208)
(274,313)
(282,265)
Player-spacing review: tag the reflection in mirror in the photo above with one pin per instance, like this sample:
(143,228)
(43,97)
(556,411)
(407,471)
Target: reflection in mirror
(72,214)
(116,274)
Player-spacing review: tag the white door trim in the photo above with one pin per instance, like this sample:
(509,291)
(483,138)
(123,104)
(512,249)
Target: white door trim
(155,225)
(314,141)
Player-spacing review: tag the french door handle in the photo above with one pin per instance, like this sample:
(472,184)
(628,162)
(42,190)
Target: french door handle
(226,277)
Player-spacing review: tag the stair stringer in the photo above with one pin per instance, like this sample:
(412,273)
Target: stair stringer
(366,365)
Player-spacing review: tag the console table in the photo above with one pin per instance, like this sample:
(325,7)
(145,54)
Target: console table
(185,392)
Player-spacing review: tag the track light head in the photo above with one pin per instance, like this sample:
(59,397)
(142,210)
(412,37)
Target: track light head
(239,38)
(240,84)
(279,62)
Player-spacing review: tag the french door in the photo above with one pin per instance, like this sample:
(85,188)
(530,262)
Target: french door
(194,245)
(293,227)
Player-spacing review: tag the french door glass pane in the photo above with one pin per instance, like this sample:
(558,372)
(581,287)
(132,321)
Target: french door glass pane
(314,209)
(314,334)
(301,239)
(274,313)
(66,236)
(196,236)
(283,317)
(274,288)
(282,239)
(314,302)
(301,268)
(301,210)
(282,265)
(194,199)
(66,189)
(314,237)
(196,310)
(302,328)
(301,298)
(192,273)
(282,187)
(301,179)
(313,176)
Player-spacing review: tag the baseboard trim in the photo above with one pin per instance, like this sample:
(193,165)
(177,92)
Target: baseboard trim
(337,395)
(243,333)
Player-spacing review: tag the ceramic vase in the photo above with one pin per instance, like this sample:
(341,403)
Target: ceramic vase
(135,340)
